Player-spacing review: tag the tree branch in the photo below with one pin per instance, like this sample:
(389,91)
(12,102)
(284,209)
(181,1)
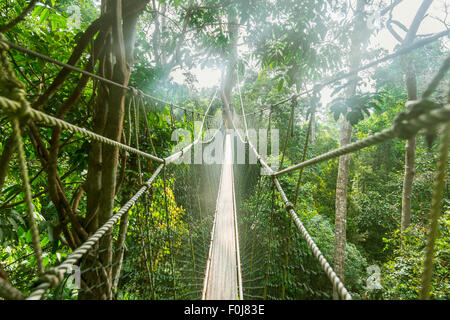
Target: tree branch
(19,18)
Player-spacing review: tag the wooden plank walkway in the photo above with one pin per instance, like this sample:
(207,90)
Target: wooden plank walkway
(223,274)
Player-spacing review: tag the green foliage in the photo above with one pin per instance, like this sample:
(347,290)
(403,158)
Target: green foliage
(401,276)
(288,46)
(356,107)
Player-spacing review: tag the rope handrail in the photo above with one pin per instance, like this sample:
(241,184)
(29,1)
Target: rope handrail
(92,75)
(425,120)
(337,283)
(13,107)
(418,115)
(17,108)
(54,276)
(403,126)
(343,75)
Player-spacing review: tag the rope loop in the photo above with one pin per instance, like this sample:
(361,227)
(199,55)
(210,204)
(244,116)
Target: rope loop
(52,277)
(134,91)
(402,127)
(289,206)
(294,101)
(20,95)
(148,185)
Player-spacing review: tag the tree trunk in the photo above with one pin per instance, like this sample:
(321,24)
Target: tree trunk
(229,79)
(340,238)
(410,147)
(313,127)
(410,154)
(5,159)
(103,159)
(344,161)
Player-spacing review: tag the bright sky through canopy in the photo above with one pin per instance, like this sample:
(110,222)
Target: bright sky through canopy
(404,13)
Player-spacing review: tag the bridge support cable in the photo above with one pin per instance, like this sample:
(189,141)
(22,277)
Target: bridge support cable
(52,277)
(70,67)
(343,75)
(421,114)
(337,283)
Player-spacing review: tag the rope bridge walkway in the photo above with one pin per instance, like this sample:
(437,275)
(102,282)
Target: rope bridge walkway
(162,243)
(223,278)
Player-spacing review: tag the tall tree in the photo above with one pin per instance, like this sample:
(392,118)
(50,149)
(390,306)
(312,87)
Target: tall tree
(229,77)
(357,40)
(411,87)
(103,159)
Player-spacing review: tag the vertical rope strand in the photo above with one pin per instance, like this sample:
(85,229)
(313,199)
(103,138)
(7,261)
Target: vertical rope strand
(252,252)
(136,132)
(147,128)
(288,132)
(169,232)
(305,149)
(27,195)
(435,212)
(130,105)
(270,242)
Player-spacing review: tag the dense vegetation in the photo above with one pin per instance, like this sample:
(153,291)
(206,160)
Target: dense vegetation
(277,48)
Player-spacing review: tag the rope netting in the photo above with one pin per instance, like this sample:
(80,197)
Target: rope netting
(165,248)
(418,115)
(155,244)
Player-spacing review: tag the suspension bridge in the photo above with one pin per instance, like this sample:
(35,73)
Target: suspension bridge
(172,260)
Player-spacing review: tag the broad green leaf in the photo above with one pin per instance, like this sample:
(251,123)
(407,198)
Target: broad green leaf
(280,84)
